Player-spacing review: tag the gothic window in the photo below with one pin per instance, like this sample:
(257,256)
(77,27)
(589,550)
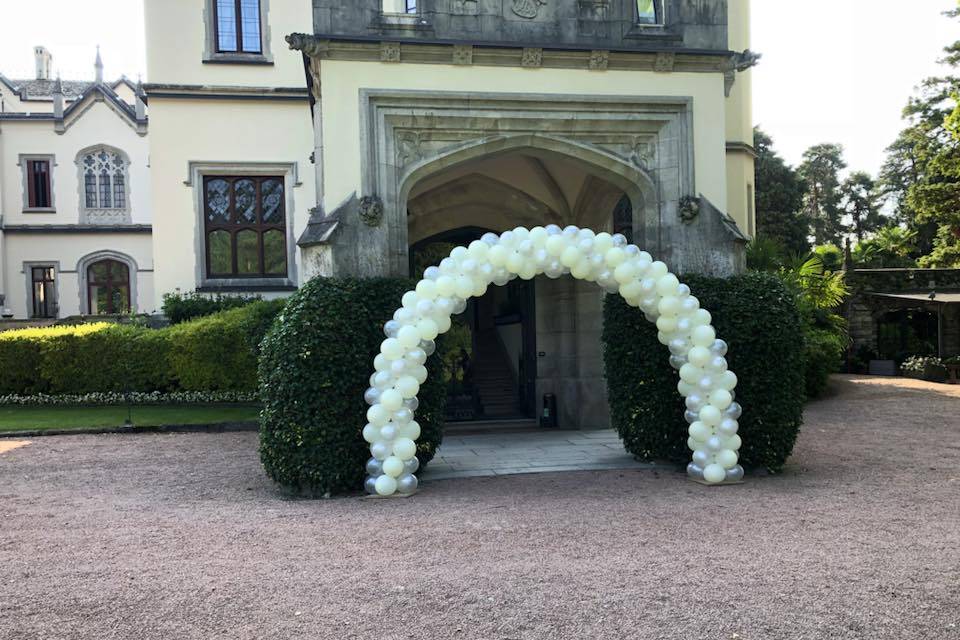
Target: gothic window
(648,11)
(623,218)
(104,182)
(108,284)
(245,226)
(43,292)
(238,26)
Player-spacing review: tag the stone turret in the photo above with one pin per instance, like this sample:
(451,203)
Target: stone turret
(98,67)
(58,99)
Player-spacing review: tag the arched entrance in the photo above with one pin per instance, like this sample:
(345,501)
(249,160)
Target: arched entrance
(615,266)
(542,336)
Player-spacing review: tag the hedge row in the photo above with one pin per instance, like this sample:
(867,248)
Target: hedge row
(758,318)
(181,307)
(315,366)
(214,353)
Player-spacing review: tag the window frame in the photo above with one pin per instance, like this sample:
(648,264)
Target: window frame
(658,13)
(54,302)
(234,228)
(196,172)
(238,20)
(82,271)
(26,166)
(110,284)
(99,214)
(211,50)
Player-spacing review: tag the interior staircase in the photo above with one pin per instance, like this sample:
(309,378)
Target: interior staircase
(493,377)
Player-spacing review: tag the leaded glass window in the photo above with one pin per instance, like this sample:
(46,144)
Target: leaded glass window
(623,218)
(245,226)
(238,26)
(104,181)
(108,283)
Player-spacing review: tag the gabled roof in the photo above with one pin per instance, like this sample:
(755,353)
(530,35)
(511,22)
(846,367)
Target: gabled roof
(80,103)
(43,89)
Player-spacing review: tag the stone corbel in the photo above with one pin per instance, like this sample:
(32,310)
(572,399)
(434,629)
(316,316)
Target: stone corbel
(736,63)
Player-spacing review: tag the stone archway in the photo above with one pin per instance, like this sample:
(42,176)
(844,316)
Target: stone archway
(607,260)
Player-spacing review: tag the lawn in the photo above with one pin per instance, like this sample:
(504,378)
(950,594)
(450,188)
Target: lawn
(22,418)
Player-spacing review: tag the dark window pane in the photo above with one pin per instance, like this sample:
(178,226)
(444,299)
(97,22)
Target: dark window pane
(99,299)
(218,201)
(221,254)
(38,177)
(226,25)
(106,201)
(250,25)
(248,253)
(245,201)
(90,189)
(623,218)
(119,191)
(99,271)
(274,253)
(44,292)
(118,299)
(271,191)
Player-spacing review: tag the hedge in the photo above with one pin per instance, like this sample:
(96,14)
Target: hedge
(181,307)
(758,318)
(315,366)
(213,354)
(823,355)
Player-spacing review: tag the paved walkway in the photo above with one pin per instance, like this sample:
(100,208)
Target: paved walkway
(510,453)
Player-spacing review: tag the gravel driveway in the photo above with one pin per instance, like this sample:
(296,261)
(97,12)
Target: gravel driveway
(182,537)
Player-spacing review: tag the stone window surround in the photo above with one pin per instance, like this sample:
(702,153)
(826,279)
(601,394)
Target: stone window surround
(113,215)
(107,254)
(196,171)
(22,160)
(212,56)
(28,277)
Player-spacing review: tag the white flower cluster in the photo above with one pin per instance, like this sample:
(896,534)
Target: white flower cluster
(608,260)
(113,398)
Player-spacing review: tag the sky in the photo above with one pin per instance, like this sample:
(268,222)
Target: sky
(832,70)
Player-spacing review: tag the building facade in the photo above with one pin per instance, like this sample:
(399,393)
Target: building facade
(74,197)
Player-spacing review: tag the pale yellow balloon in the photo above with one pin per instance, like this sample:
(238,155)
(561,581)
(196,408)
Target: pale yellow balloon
(497,256)
(426,290)
(427,329)
(615,257)
(555,245)
(570,256)
(445,285)
(393,466)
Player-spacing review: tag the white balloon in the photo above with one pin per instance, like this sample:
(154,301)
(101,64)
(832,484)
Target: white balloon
(386,485)
(713,473)
(371,433)
(377,415)
(404,448)
(391,399)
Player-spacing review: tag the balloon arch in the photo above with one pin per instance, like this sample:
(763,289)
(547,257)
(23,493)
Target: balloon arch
(608,260)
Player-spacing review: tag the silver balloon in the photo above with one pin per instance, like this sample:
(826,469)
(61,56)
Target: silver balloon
(428,346)
(407,483)
(727,427)
(431,273)
(374,468)
(398,367)
(684,325)
(370,485)
(459,306)
(619,240)
(411,403)
(632,250)
(425,308)
(679,346)
(695,402)
(733,411)
(391,328)
(417,356)
(717,364)
(411,465)
(553,229)
(380,450)
(695,471)
(402,415)
(691,416)
(371,396)
(719,347)
(571,231)
(701,458)
(490,239)
(714,443)
(683,291)
(705,384)
(735,474)
(677,361)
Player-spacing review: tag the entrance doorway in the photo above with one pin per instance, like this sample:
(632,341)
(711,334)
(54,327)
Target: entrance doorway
(490,361)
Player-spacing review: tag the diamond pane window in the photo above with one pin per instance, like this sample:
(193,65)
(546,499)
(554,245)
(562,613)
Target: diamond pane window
(245,226)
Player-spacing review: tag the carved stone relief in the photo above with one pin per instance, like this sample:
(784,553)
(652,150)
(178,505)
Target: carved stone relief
(599,60)
(664,62)
(390,52)
(528,9)
(464,7)
(371,210)
(462,54)
(408,147)
(532,57)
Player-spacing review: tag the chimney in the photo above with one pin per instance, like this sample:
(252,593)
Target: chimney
(58,99)
(44,62)
(98,67)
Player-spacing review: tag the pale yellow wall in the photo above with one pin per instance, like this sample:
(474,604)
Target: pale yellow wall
(739,124)
(176,35)
(218,131)
(126,93)
(100,124)
(68,250)
(342,82)
(13,104)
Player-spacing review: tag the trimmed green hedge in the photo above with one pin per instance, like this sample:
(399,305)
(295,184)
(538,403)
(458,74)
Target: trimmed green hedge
(823,355)
(758,318)
(214,353)
(315,366)
(181,307)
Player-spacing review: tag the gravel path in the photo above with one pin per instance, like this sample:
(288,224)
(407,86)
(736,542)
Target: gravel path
(181,537)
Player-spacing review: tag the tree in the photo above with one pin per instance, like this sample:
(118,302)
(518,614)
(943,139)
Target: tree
(861,203)
(779,198)
(891,247)
(820,170)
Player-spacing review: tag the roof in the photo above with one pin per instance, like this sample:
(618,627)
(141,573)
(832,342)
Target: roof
(946,297)
(39,89)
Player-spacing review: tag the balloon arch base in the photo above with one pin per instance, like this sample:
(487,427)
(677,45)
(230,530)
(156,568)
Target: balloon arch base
(617,267)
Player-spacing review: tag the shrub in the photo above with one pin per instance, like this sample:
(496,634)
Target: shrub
(928,368)
(758,317)
(314,369)
(219,352)
(21,355)
(822,354)
(178,307)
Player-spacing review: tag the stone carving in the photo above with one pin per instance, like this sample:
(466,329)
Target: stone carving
(689,209)
(106,216)
(532,57)
(371,210)
(308,44)
(464,7)
(390,52)
(739,61)
(643,154)
(528,9)
(664,62)
(409,147)
(463,54)
(593,21)
(599,60)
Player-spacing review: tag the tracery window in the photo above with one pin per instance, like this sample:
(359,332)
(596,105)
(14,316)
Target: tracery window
(104,180)
(245,226)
